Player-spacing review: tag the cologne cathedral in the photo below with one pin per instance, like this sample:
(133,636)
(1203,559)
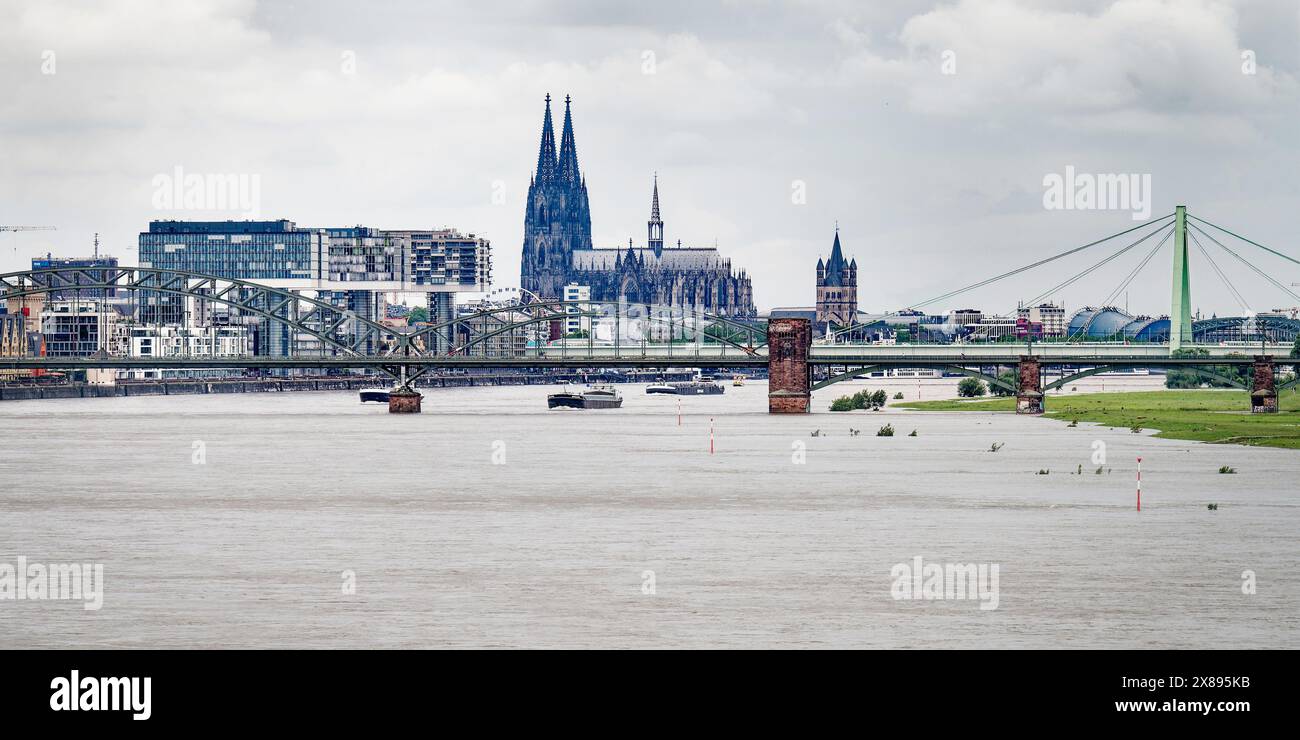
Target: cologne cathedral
(558,249)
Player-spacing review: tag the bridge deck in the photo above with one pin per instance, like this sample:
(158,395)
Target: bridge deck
(662,355)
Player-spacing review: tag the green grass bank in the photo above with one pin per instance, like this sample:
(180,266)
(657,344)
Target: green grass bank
(1218,416)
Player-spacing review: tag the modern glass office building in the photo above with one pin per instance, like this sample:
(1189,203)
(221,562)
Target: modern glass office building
(283,255)
(262,251)
(352,267)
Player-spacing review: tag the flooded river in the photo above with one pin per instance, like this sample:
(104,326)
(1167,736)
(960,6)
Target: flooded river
(310,520)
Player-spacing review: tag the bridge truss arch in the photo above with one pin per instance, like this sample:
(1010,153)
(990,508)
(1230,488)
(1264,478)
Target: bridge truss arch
(1202,371)
(334,326)
(343,332)
(625,322)
(969,372)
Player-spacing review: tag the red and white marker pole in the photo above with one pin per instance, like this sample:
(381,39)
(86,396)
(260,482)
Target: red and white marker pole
(710,435)
(1139,484)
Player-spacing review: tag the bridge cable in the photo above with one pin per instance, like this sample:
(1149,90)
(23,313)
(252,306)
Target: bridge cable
(1130,276)
(1246,262)
(1114,294)
(1017,271)
(1039,263)
(1089,270)
(1244,239)
(1241,301)
(1124,283)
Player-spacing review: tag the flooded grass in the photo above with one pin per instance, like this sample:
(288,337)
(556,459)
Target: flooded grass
(1201,415)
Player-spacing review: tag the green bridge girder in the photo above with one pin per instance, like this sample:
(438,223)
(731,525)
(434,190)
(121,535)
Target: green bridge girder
(969,372)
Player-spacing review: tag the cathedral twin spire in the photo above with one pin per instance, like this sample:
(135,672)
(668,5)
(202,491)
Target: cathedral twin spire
(562,168)
(557,228)
(557,219)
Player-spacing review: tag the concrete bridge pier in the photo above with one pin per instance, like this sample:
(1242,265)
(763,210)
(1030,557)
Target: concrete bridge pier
(1029,386)
(788,378)
(1263,386)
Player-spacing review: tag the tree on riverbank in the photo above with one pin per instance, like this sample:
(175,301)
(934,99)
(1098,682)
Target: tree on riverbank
(971,388)
(860,401)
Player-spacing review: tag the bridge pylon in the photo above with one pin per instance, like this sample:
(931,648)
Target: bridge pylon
(1180,306)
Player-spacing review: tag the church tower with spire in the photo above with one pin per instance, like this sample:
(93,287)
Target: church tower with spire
(655,226)
(558,251)
(837,289)
(557,219)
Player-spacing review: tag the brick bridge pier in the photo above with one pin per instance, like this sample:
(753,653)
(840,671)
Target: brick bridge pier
(403,398)
(1263,386)
(1029,386)
(788,378)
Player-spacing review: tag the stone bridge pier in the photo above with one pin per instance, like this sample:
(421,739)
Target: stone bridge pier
(1263,386)
(1029,386)
(404,401)
(788,378)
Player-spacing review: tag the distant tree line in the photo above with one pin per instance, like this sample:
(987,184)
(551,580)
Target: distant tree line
(1189,378)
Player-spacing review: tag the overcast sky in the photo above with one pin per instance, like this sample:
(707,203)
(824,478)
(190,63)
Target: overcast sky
(427,114)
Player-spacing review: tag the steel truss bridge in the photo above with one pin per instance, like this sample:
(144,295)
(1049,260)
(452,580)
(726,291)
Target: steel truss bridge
(320,334)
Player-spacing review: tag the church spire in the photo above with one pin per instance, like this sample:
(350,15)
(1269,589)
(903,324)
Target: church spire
(835,265)
(546,153)
(654,203)
(655,226)
(568,167)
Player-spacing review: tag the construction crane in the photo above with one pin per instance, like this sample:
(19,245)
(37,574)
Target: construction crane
(26,228)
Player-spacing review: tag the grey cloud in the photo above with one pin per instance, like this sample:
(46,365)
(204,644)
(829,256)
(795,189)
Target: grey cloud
(934,179)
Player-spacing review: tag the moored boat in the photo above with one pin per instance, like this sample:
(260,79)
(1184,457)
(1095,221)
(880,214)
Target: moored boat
(596,397)
(565,400)
(374,395)
(601,397)
(698,388)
